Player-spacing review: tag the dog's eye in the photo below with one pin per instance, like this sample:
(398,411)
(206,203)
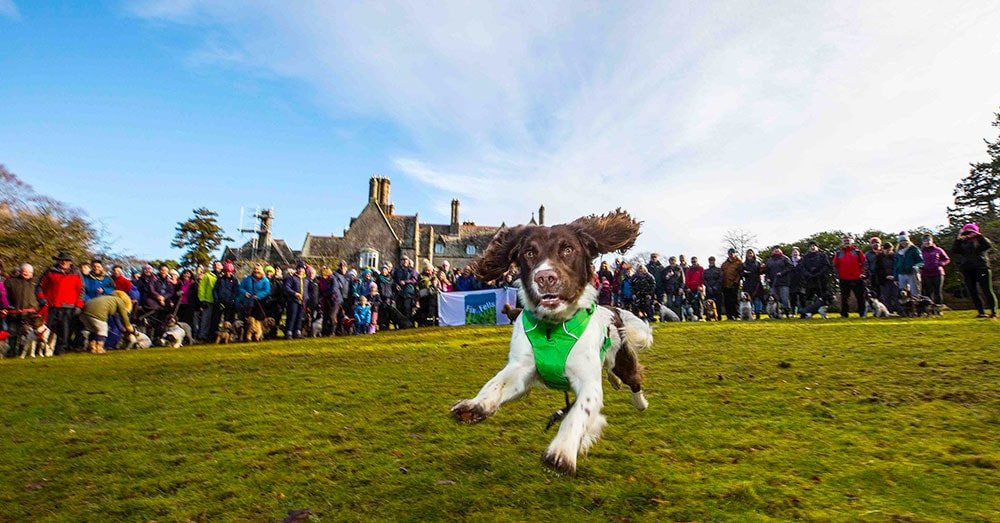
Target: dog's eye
(566,251)
(529,254)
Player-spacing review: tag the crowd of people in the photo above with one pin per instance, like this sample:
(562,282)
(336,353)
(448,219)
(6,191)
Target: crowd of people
(87,308)
(797,284)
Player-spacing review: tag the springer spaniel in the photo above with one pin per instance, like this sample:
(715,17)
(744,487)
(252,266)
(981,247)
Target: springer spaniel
(556,272)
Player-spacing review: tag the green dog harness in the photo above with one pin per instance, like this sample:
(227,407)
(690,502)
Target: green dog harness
(552,342)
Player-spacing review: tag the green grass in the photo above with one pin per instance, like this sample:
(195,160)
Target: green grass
(894,420)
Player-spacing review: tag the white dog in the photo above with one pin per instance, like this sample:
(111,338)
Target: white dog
(41,341)
(746,307)
(560,317)
(668,314)
(316,329)
(136,340)
(877,308)
(773,309)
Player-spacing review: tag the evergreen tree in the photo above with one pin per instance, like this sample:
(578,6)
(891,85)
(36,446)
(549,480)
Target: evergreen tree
(977,196)
(201,236)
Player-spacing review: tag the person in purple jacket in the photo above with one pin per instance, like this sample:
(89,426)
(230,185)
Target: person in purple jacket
(932,272)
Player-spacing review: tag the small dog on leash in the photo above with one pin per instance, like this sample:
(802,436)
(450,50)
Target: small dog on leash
(746,307)
(268,326)
(173,334)
(875,307)
(255,330)
(316,328)
(41,339)
(773,309)
(225,333)
(137,340)
(687,311)
(916,306)
(666,313)
(238,329)
(817,306)
(711,311)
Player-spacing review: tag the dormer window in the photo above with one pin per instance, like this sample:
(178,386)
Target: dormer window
(470,249)
(439,247)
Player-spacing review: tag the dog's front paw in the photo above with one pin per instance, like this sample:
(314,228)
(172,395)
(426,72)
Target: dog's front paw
(639,401)
(559,463)
(468,412)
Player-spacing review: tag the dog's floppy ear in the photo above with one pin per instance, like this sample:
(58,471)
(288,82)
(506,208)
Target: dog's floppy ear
(499,254)
(615,231)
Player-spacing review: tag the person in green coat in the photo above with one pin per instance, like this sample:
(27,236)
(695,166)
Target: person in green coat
(96,313)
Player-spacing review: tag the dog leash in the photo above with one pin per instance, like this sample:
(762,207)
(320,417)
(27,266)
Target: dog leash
(558,415)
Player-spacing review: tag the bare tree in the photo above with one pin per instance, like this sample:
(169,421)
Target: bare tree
(740,240)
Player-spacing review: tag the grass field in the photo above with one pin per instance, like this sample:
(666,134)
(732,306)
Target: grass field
(894,420)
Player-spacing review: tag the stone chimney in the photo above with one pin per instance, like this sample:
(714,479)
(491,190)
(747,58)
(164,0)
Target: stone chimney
(264,234)
(384,192)
(454,217)
(392,210)
(541,215)
(373,189)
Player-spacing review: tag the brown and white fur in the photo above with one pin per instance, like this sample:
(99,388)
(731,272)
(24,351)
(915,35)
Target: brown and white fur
(556,271)
(41,339)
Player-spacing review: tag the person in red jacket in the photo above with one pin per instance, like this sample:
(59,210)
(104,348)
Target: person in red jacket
(61,290)
(849,262)
(694,278)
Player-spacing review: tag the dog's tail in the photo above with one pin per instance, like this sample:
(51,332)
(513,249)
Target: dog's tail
(636,334)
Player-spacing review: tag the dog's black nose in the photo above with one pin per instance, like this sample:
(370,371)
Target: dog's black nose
(546,279)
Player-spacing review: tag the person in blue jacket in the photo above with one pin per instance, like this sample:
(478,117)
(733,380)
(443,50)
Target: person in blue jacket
(97,283)
(254,289)
(362,316)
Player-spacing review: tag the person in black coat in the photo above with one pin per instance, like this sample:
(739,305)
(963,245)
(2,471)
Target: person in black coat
(816,273)
(971,248)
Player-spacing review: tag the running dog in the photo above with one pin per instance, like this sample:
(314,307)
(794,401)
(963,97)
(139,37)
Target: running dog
(746,307)
(562,338)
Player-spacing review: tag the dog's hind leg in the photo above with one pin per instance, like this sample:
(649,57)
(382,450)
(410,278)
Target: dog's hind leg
(628,369)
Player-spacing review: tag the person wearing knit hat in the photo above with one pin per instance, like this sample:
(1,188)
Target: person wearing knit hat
(907,264)
(972,248)
(97,312)
(932,272)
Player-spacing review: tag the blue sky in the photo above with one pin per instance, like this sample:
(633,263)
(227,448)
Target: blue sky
(780,118)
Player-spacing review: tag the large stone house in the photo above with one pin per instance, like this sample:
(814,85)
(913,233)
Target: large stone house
(378,234)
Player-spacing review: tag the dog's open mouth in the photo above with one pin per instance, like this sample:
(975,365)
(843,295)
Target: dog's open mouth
(550,300)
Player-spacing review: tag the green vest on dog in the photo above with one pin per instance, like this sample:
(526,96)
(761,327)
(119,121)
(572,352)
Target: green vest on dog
(551,344)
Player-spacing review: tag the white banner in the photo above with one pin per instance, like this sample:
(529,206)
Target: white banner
(475,307)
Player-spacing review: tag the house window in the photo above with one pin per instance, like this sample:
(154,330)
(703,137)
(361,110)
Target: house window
(470,249)
(439,248)
(368,258)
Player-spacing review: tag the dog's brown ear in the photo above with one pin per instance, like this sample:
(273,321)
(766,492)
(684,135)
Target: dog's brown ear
(499,254)
(615,231)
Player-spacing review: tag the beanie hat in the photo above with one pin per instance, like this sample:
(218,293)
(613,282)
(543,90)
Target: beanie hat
(970,227)
(927,237)
(229,267)
(268,269)
(326,272)
(125,298)
(300,265)
(903,236)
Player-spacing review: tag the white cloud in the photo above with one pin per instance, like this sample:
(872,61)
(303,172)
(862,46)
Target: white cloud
(698,118)
(9,9)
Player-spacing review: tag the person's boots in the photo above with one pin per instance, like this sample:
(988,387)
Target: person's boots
(756,315)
